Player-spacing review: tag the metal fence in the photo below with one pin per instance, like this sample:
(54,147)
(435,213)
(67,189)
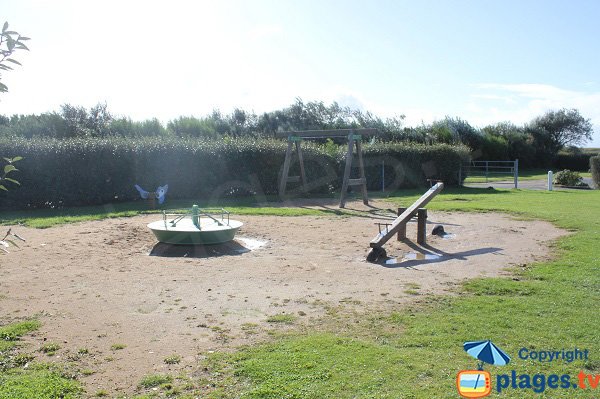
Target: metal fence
(486,171)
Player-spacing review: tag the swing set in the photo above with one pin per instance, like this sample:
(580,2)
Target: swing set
(354,136)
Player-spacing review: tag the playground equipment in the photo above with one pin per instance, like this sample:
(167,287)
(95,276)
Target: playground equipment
(294,138)
(159,194)
(196,227)
(399,225)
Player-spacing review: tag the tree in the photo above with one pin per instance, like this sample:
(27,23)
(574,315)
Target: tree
(83,123)
(10,42)
(562,128)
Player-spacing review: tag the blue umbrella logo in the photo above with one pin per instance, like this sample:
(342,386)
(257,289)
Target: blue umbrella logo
(487,352)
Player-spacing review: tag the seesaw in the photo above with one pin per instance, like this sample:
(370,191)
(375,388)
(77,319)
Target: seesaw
(399,224)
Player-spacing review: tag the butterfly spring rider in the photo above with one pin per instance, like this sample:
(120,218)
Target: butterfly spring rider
(159,194)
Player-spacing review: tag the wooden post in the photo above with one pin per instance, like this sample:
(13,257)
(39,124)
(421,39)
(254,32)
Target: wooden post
(362,180)
(361,168)
(421,226)
(347,170)
(402,229)
(301,160)
(286,168)
(381,239)
(285,178)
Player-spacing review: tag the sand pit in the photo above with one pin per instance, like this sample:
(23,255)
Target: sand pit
(97,284)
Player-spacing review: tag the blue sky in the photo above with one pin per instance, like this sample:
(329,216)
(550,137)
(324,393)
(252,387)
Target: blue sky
(483,61)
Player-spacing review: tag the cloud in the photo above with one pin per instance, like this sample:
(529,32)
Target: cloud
(529,100)
(520,103)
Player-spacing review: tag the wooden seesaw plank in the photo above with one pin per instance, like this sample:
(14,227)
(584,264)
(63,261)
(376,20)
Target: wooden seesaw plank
(401,220)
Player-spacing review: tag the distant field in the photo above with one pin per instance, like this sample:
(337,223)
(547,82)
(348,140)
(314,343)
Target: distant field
(591,150)
(526,174)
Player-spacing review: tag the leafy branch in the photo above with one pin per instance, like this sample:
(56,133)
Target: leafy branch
(8,169)
(10,41)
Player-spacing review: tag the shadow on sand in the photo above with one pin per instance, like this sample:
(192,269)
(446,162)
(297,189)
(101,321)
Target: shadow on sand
(231,248)
(433,255)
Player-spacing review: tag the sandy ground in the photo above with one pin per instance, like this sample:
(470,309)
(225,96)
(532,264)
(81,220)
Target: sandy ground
(94,284)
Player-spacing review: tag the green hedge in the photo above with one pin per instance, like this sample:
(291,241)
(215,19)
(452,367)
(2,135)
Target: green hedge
(595,167)
(409,165)
(579,161)
(73,172)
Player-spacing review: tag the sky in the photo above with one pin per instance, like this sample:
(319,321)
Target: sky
(484,61)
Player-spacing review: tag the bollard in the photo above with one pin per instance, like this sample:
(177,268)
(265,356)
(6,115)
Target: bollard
(550,180)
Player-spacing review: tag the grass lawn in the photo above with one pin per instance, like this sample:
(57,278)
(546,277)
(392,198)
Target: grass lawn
(44,218)
(416,352)
(19,380)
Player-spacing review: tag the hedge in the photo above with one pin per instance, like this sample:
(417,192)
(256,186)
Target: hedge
(595,167)
(579,162)
(56,173)
(409,165)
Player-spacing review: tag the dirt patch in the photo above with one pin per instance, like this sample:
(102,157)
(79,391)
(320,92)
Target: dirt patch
(95,286)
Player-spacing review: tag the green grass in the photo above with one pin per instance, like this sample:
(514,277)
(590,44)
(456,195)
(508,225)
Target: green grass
(44,218)
(282,318)
(13,332)
(172,359)
(412,288)
(417,352)
(155,380)
(50,348)
(117,347)
(83,351)
(478,176)
(525,174)
(39,381)
(10,334)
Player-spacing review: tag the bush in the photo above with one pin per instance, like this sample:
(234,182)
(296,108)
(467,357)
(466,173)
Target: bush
(595,167)
(56,173)
(567,178)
